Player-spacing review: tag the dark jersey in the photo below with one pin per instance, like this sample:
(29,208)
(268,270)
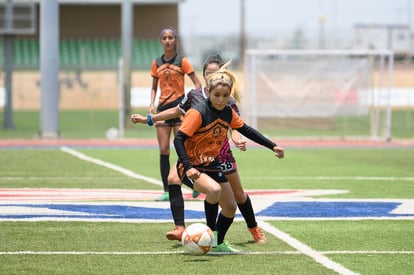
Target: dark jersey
(193,98)
(203,131)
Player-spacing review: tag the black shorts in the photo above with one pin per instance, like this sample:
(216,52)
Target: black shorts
(169,122)
(213,170)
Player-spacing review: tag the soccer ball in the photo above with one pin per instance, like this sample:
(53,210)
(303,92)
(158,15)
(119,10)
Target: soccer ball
(197,239)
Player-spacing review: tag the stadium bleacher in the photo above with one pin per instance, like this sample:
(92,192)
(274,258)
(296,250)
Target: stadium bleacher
(89,54)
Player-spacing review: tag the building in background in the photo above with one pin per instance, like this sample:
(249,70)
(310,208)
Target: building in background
(384,36)
(90,34)
(89,51)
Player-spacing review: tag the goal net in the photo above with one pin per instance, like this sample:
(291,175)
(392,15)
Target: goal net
(322,93)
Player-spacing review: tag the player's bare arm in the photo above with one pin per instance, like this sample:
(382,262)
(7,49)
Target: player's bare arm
(151,108)
(167,114)
(164,115)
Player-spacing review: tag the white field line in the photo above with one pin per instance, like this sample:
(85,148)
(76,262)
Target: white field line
(136,253)
(315,178)
(365,252)
(180,252)
(111,166)
(59,178)
(165,205)
(307,250)
(402,218)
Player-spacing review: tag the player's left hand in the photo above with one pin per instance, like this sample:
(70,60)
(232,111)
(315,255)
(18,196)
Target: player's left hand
(280,152)
(241,144)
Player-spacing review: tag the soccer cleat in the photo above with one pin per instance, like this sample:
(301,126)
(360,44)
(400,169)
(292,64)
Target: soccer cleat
(224,248)
(164,197)
(195,194)
(176,233)
(258,235)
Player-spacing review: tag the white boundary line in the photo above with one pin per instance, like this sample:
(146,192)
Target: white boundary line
(57,178)
(180,251)
(314,178)
(307,250)
(109,220)
(334,178)
(402,218)
(139,253)
(111,166)
(365,252)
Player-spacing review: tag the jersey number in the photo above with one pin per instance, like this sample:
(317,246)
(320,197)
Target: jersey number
(226,165)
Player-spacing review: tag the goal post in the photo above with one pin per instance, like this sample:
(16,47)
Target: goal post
(323,93)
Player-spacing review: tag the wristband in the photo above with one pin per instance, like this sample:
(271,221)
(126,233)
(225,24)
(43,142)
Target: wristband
(149,120)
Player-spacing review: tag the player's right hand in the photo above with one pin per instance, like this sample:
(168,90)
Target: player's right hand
(193,174)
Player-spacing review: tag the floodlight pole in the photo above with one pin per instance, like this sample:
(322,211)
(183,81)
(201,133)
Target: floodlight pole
(388,134)
(127,38)
(242,42)
(49,69)
(322,20)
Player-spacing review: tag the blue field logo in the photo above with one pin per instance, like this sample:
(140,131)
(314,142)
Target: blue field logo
(139,205)
(113,212)
(340,209)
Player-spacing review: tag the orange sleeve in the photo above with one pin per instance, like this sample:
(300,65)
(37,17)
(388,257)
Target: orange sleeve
(154,68)
(186,66)
(236,121)
(191,123)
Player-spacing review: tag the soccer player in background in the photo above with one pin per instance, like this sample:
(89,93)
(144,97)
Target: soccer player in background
(168,72)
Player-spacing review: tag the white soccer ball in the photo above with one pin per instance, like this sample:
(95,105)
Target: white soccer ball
(197,239)
(112,133)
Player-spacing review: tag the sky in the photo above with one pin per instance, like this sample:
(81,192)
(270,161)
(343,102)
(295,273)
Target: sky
(281,18)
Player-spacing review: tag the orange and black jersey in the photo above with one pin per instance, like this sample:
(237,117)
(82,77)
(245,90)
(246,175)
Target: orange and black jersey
(171,75)
(203,131)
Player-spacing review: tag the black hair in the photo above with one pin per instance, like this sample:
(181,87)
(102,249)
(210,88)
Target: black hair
(216,59)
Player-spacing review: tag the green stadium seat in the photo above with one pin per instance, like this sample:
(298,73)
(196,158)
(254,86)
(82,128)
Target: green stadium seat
(85,53)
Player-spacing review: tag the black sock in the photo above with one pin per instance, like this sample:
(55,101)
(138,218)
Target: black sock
(211,211)
(165,169)
(177,204)
(223,224)
(246,209)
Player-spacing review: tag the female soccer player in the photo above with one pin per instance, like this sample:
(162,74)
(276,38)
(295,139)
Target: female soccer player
(228,162)
(168,71)
(199,141)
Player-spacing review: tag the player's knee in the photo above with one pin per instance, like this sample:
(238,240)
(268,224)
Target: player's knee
(214,192)
(229,207)
(173,179)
